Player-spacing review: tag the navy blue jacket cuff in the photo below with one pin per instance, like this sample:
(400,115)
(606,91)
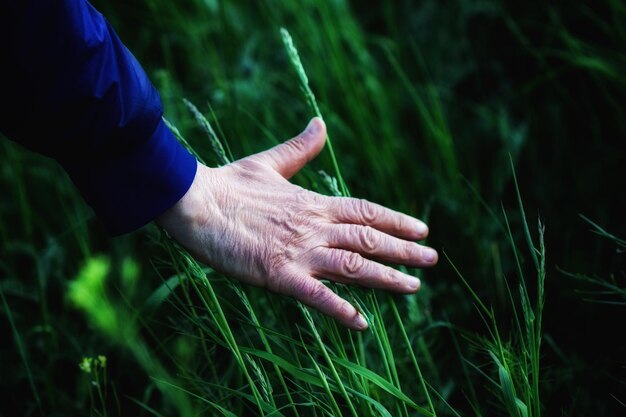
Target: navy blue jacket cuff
(134,188)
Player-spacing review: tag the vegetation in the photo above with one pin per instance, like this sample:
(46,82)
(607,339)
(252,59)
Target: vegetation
(500,125)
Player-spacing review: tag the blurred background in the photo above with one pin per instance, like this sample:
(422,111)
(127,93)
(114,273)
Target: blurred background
(427,103)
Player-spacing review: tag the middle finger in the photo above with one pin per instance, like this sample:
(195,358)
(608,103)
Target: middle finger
(375,244)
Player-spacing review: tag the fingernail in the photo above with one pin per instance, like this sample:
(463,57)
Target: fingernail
(414,283)
(429,255)
(361,323)
(422,229)
(313,127)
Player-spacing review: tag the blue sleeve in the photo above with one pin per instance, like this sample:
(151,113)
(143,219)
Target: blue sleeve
(72,91)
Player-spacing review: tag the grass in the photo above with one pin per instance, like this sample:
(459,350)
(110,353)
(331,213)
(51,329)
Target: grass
(429,106)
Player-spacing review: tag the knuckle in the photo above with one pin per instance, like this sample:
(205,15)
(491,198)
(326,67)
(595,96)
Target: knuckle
(295,149)
(297,221)
(406,252)
(399,223)
(352,264)
(317,293)
(294,223)
(306,206)
(298,234)
(299,288)
(273,269)
(304,197)
(391,277)
(345,309)
(366,210)
(295,146)
(369,238)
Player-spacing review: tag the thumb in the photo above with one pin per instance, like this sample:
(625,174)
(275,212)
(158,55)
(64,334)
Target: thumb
(290,157)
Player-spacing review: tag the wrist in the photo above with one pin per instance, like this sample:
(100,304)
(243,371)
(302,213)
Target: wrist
(190,208)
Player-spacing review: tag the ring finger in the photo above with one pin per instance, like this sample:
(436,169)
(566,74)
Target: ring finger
(351,268)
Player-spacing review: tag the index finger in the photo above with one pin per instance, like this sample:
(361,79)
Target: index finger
(362,212)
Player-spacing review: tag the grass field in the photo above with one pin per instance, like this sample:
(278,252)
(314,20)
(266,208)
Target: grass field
(501,125)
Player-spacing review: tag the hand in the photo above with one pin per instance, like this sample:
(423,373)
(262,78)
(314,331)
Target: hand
(247,221)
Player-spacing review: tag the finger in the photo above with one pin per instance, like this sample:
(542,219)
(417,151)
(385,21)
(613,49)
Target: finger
(375,244)
(351,268)
(290,157)
(362,212)
(315,294)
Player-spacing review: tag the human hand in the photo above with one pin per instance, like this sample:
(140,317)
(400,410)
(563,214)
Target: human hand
(248,221)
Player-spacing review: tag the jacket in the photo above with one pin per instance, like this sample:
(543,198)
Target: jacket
(72,91)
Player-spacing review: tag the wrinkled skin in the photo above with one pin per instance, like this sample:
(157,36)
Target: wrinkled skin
(248,221)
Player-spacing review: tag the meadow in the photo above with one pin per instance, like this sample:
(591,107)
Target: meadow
(501,124)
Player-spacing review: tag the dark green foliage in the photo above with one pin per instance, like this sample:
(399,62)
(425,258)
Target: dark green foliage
(427,104)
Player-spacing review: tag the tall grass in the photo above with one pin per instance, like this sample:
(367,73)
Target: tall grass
(424,102)
(338,360)
(318,368)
